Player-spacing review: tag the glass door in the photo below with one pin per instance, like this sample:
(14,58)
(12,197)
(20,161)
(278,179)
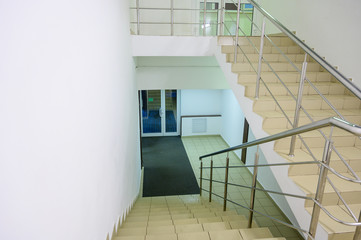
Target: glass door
(160,113)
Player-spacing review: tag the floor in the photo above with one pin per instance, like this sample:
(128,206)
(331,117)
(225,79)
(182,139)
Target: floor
(197,146)
(166,172)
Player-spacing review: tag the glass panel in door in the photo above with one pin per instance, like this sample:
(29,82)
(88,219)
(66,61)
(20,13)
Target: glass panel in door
(170,111)
(151,110)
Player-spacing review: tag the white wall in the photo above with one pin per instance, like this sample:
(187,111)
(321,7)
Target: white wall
(180,78)
(232,120)
(329,26)
(201,102)
(69,161)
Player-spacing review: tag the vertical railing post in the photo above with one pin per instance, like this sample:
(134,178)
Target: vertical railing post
(226,184)
(221,17)
(204,17)
(171,17)
(237,31)
(245,139)
(210,182)
(357,235)
(320,188)
(201,179)
(260,57)
(253,191)
(298,105)
(138,18)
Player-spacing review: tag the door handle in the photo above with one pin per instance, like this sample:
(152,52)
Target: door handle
(160,112)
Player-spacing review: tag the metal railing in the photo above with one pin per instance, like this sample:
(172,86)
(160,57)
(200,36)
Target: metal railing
(193,21)
(324,168)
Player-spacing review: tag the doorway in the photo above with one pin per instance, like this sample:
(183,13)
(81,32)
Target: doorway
(159,112)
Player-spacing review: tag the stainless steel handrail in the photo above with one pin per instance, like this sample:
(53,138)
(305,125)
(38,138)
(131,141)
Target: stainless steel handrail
(265,215)
(339,76)
(352,128)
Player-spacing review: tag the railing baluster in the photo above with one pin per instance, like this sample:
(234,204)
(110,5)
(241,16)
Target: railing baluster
(138,18)
(204,17)
(253,191)
(226,184)
(357,235)
(221,17)
(210,182)
(259,69)
(320,188)
(298,105)
(200,179)
(171,17)
(237,32)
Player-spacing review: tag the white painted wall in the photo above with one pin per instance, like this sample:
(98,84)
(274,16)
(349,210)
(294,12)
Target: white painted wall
(201,102)
(232,120)
(173,46)
(180,78)
(212,126)
(69,157)
(329,26)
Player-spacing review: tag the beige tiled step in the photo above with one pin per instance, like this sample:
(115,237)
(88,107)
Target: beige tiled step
(309,102)
(351,192)
(142,237)
(248,234)
(242,41)
(266,49)
(326,88)
(287,77)
(274,66)
(338,231)
(270,57)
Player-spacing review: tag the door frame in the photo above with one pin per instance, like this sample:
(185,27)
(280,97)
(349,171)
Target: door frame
(163,126)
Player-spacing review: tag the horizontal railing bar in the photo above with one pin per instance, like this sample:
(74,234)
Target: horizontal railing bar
(295,163)
(319,204)
(190,9)
(336,219)
(339,76)
(262,190)
(340,175)
(272,164)
(265,215)
(211,23)
(306,128)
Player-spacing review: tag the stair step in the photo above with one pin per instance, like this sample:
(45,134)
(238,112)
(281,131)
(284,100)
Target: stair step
(267,103)
(255,233)
(159,230)
(129,238)
(266,49)
(194,236)
(242,41)
(351,192)
(338,231)
(277,89)
(216,226)
(228,234)
(270,57)
(286,77)
(274,66)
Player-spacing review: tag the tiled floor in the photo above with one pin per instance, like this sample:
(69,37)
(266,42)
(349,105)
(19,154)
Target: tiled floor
(197,146)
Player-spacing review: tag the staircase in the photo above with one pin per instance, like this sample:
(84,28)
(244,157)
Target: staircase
(274,121)
(186,217)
